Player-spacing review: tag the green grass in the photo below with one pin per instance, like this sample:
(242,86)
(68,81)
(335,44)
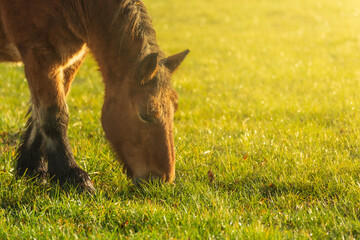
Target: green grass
(269,103)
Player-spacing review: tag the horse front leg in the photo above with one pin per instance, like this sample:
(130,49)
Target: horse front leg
(50,119)
(53,123)
(29,156)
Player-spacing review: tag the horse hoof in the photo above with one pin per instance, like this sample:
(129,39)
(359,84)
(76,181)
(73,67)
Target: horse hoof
(88,187)
(78,178)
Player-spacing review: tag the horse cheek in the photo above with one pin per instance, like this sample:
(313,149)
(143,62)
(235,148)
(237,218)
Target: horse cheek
(108,121)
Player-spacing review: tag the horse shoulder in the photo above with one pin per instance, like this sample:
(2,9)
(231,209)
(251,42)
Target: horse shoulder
(40,26)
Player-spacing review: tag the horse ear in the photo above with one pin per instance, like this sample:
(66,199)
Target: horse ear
(174,61)
(147,67)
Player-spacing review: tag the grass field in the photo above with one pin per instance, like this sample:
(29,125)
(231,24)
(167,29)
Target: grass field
(267,132)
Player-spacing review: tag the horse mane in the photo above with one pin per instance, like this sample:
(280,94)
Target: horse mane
(133,23)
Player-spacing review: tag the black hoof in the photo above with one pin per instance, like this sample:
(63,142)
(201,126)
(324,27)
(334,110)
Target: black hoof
(78,178)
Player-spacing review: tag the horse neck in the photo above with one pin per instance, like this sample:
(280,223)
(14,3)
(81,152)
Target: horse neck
(105,32)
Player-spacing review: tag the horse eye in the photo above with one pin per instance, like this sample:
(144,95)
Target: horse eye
(145,118)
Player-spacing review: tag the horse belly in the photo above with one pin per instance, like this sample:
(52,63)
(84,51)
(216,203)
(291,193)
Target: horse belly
(8,51)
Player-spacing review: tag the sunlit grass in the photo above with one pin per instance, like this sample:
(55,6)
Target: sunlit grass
(267,132)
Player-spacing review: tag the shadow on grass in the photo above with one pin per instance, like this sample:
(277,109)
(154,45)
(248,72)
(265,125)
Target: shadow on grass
(263,187)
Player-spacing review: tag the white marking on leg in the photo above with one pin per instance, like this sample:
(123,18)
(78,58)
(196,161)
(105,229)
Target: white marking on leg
(32,136)
(34,116)
(50,144)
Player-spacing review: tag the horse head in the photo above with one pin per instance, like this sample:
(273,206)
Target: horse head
(137,118)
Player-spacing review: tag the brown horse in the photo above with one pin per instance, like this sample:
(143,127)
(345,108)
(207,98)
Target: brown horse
(51,38)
